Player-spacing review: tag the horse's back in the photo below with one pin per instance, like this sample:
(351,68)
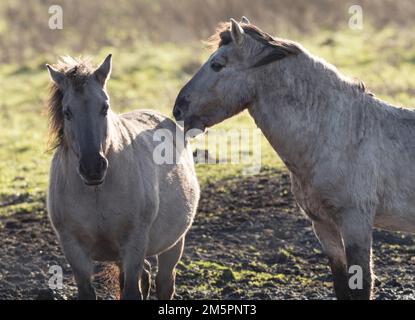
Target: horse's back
(150,119)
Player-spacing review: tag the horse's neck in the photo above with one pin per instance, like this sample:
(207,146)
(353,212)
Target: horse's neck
(290,139)
(298,118)
(117,137)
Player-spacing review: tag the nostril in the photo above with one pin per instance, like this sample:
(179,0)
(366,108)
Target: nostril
(103,163)
(181,107)
(82,169)
(177,112)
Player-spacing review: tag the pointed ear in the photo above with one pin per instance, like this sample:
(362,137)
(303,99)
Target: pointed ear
(245,20)
(237,33)
(56,76)
(103,72)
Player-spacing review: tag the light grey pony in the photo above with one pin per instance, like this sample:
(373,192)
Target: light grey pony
(351,156)
(108,199)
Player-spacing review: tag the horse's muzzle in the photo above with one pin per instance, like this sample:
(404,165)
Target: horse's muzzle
(180,108)
(192,123)
(93,170)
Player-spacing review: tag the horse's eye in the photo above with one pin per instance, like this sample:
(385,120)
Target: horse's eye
(216,66)
(68,114)
(104,110)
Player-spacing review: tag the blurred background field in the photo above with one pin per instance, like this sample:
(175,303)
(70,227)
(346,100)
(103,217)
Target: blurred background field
(157,46)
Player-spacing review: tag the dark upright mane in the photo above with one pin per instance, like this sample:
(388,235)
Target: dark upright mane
(77,72)
(281,48)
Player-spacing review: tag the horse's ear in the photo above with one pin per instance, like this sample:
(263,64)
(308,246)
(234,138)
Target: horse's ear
(245,20)
(237,33)
(56,76)
(104,70)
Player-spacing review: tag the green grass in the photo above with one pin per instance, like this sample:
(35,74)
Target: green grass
(150,76)
(217,276)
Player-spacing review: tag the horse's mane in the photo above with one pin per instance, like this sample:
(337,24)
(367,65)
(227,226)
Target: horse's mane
(283,48)
(77,71)
(222,36)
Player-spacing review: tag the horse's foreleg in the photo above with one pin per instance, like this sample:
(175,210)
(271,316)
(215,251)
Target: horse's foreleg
(132,269)
(82,268)
(166,274)
(145,279)
(332,244)
(356,229)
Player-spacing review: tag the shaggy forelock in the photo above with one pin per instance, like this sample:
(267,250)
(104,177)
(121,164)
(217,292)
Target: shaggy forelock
(77,71)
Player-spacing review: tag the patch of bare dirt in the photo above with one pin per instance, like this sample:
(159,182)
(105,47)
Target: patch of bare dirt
(249,241)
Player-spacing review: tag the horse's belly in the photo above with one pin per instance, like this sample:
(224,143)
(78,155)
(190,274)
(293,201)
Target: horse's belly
(169,227)
(177,208)
(399,218)
(163,235)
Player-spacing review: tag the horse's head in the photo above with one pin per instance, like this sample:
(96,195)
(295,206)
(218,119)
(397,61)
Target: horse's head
(227,83)
(83,112)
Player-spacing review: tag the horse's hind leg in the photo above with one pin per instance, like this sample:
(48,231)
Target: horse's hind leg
(332,243)
(166,273)
(82,268)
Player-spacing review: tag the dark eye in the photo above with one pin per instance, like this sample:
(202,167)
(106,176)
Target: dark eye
(104,110)
(67,113)
(216,66)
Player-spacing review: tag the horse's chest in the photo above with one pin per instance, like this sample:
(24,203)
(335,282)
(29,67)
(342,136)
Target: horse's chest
(104,234)
(306,198)
(102,230)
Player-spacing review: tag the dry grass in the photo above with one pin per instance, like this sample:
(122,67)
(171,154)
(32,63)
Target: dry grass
(92,24)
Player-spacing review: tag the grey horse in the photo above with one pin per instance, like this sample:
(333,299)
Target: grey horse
(108,198)
(350,155)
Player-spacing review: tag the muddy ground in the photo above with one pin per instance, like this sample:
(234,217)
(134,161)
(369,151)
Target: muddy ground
(249,241)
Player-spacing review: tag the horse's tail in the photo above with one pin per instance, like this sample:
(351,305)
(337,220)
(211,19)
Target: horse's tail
(107,279)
